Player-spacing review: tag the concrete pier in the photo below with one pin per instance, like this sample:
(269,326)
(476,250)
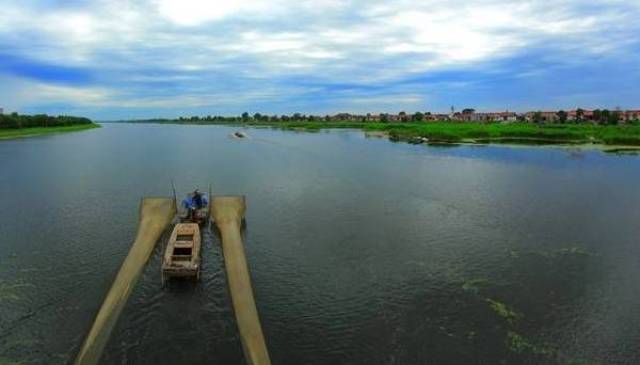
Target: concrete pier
(155,215)
(227,213)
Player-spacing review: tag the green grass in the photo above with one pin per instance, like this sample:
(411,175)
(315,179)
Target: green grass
(516,132)
(38,131)
(451,132)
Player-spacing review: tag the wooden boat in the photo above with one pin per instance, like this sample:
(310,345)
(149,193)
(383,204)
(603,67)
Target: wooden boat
(182,256)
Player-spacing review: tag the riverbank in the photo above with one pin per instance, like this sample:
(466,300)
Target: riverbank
(39,131)
(480,133)
(628,135)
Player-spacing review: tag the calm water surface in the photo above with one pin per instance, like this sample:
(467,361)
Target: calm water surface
(362,251)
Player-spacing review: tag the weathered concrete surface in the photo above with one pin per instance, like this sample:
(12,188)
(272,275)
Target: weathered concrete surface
(227,213)
(155,215)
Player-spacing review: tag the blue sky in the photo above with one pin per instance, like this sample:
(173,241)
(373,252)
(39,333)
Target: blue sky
(164,58)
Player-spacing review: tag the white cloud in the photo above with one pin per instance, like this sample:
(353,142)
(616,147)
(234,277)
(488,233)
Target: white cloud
(21,92)
(190,41)
(194,12)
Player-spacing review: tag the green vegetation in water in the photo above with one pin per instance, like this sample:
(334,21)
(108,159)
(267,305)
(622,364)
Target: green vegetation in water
(571,251)
(519,344)
(474,284)
(503,311)
(38,131)
(5,361)
(567,251)
(623,151)
(8,291)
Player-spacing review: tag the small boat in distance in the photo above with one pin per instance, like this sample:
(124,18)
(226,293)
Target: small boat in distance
(240,134)
(182,255)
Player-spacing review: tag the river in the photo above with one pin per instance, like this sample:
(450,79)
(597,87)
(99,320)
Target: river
(362,251)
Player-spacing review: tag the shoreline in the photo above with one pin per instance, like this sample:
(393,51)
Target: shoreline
(510,142)
(9,134)
(612,138)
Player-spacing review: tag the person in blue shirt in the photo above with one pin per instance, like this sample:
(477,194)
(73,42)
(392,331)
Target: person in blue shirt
(197,199)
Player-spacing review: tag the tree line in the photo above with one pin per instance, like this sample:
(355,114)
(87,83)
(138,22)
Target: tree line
(15,121)
(603,117)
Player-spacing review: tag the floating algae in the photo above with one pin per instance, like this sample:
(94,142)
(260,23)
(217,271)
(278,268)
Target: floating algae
(503,310)
(5,361)
(571,251)
(473,285)
(8,292)
(228,212)
(519,344)
(155,215)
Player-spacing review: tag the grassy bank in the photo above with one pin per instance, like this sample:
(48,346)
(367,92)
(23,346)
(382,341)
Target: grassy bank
(451,132)
(526,133)
(38,131)
(516,132)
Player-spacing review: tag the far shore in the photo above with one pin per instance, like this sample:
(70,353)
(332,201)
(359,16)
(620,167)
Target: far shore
(39,131)
(619,138)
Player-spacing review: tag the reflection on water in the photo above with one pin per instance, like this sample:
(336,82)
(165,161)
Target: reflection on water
(361,251)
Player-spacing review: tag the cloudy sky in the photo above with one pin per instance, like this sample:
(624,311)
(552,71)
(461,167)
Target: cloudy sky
(116,59)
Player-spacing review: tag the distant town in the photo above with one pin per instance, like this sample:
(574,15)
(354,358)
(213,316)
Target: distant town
(596,116)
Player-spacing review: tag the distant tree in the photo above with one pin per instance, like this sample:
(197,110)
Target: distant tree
(468,111)
(384,118)
(614,117)
(257,116)
(245,117)
(562,116)
(417,117)
(15,120)
(605,114)
(579,115)
(597,115)
(537,117)
(297,116)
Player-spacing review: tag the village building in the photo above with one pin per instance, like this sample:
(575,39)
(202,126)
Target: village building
(545,116)
(504,117)
(482,117)
(436,117)
(587,115)
(630,115)
(372,117)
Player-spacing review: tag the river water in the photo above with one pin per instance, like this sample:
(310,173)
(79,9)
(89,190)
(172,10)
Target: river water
(362,251)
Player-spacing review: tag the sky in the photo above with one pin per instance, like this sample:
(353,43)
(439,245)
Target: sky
(119,59)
